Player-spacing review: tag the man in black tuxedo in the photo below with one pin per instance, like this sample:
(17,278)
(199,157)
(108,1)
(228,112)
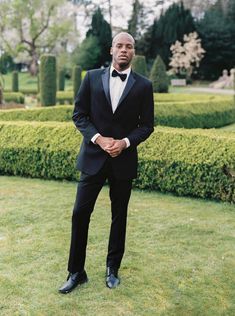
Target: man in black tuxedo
(114,112)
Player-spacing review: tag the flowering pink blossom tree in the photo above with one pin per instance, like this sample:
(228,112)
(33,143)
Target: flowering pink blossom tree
(186,56)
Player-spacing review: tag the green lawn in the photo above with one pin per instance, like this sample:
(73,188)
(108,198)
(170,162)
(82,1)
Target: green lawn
(26,81)
(179,257)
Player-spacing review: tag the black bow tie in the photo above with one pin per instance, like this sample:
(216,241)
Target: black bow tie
(117,74)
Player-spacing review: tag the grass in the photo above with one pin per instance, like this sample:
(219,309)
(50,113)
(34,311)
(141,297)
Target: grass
(229,128)
(179,257)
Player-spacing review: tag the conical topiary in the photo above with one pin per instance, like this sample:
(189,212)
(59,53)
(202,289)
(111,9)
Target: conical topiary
(139,65)
(158,76)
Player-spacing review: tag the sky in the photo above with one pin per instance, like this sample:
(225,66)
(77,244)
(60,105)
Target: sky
(121,13)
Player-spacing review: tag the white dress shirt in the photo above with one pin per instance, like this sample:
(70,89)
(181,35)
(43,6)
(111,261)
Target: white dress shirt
(116,88)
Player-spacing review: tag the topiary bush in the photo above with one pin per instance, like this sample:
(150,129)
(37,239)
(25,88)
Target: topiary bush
(187,162)
(62,97)
(15,81)
(139,65)
(16,97)
(77,79)
(48,80)
(158,76)
(204,114)
(61,79)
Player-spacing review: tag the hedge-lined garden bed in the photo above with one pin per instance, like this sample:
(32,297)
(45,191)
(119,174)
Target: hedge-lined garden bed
(187,162)
(16,97)
(204,114)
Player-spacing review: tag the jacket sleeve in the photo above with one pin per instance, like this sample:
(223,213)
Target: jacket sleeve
(146,118)
(82,110)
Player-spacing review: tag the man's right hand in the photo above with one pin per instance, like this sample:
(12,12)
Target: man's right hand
(104,142)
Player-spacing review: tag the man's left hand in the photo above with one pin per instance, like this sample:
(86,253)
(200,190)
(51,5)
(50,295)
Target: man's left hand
(116,149)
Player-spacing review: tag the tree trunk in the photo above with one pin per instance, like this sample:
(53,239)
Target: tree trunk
(33,66)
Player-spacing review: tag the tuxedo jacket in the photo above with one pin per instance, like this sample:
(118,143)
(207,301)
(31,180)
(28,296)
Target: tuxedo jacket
(133,118)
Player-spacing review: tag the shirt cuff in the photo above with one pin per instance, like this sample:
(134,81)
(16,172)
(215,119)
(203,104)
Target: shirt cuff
(127,142)
(95,137)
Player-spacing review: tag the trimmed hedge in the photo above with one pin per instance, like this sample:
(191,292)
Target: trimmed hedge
(178,114)
(139,65)
(15,81)
(61,79)
(183,97)
(158,76)
(48,80)
(52,113)
(202,114)
(16,97)
(187,162)
(62,97)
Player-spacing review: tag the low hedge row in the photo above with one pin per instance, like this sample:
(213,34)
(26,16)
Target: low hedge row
(203,114)
(16,97)
(184,97)
(63,97)
(24,90)
(187,115)
(187,162)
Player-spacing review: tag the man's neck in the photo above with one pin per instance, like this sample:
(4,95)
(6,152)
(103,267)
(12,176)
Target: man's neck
(120,68)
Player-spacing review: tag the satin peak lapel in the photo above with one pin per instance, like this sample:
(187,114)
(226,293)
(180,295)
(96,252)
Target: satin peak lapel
(129,85)
(105,81)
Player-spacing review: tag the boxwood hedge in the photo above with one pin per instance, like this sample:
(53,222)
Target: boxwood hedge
(16,97)
(187,162)
(189,115)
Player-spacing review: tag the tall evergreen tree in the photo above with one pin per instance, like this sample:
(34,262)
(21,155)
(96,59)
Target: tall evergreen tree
(158,76)
(170,27)
(102,30)
(136,22)
(217,31)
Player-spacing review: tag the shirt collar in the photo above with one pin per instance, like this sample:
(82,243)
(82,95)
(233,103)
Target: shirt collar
(126,71)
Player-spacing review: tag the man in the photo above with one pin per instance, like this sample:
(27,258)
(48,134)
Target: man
(114,112)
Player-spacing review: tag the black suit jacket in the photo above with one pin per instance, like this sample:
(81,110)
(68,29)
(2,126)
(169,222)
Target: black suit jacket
(133,118)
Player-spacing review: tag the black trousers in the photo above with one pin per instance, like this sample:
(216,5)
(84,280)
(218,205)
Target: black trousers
(87,193)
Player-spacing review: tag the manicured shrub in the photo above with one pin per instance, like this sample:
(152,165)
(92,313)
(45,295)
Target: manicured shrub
(61,79)
(158,76)
(77,79)
(188,98)
(139,65)
(205,114)
(16,97)
(50,113)
(187,162)
(15,81)
(48,80)
(62,97)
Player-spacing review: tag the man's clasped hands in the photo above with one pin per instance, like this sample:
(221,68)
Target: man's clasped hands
(112,146)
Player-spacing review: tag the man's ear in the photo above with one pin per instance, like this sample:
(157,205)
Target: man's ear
(111,51)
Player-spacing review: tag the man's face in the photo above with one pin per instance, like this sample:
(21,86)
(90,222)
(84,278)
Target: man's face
(122,51)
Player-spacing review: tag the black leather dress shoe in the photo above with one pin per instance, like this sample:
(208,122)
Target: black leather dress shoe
(73,280)
(112,279)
